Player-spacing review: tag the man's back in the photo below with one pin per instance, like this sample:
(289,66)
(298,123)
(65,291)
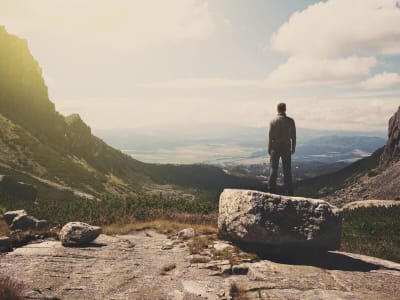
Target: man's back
(282,132)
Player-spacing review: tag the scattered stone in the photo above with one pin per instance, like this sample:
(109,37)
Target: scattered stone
(78,234)
(11,215)
(165,269)
(220,245)
(24,222)
(5,243)
(258,218)
(241,269)
(167,246)
(186,234)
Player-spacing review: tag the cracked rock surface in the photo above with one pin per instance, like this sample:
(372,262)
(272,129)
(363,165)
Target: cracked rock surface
(133,267)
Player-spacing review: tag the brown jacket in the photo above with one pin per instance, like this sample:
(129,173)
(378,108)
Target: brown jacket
(282,133)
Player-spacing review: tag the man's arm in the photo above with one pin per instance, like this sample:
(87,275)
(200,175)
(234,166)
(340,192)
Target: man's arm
(270,139)
(293,137)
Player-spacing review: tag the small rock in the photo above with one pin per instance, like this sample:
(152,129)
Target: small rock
(165,269)
(78,233)
(167,246)
(11,215)
(5,243)
(186,234)
(241,269)
(219,245)
(24,222)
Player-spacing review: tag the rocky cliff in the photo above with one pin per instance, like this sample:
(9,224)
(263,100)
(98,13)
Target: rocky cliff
(391,152)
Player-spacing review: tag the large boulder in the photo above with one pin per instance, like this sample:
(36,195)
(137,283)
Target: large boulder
(268,220)
(12,214)
(78,234)
(17,189)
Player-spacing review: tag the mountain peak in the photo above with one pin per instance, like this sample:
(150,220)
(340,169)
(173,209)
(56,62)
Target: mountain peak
(391,152)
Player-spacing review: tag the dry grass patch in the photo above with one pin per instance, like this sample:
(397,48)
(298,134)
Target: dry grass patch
(199,243)
(10,289)
(162,226)
(234,255)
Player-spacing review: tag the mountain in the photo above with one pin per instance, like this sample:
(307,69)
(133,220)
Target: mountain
(374,177)
(236,145)
(38,145)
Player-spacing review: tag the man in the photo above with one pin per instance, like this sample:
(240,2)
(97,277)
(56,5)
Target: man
(282,144)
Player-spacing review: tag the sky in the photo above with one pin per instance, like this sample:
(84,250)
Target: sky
(157,63)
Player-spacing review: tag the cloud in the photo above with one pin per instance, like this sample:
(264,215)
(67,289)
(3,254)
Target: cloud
(341,27)
(331,113)
(336,40)
(203,83)
(381,81)
(124,23)
(306,70)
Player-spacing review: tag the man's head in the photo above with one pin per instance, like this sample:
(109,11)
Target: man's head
(281,108)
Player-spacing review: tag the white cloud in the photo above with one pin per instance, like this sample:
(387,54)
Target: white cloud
(122,23)
(203,83)
(341,27)
(306,70)
(336,40)
(382,81)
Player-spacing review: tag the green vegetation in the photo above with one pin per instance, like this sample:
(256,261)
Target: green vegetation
(106,210)
(373,231)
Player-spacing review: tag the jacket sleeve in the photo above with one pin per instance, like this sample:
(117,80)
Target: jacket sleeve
(293,136)
(270,138)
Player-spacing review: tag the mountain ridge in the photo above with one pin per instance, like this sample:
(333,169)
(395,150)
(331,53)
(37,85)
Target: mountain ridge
(40,144)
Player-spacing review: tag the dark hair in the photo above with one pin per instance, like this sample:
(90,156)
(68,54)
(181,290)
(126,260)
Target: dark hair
(281,107)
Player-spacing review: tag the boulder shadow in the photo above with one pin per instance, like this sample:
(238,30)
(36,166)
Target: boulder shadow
(89,245)
(311,257)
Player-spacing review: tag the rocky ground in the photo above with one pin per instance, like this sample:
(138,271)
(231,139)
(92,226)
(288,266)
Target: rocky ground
(149,265)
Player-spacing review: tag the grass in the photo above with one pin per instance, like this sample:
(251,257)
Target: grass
(199,243)
(163,226)
(373,231)
(10,289)
(234,255)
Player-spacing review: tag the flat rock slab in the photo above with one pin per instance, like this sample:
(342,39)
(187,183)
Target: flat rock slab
(129,267)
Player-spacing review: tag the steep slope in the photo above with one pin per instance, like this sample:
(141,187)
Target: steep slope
(39,144)
(375,177)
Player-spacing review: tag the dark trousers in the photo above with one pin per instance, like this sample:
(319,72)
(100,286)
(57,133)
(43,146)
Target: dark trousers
(286,155)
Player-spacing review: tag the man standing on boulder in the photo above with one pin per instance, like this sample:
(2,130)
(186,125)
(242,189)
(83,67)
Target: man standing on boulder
(282,144)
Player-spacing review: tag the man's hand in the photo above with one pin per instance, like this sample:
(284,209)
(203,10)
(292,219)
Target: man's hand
(293,151)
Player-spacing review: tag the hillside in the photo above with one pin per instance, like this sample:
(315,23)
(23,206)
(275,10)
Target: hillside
(374,177)
(38,145)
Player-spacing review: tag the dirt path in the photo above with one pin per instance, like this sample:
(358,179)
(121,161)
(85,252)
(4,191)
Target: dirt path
(130,267)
